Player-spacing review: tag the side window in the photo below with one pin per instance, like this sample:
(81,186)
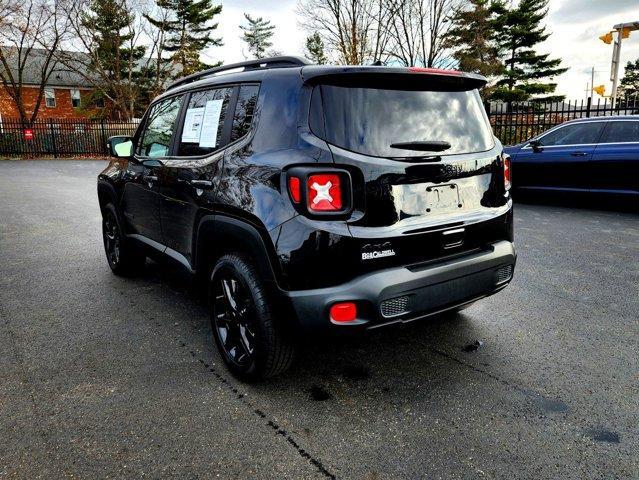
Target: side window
(203,130)
(155,140)
(576,134)
(621,132)
(244,111)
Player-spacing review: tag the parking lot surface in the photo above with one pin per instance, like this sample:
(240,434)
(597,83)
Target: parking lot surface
(108,377)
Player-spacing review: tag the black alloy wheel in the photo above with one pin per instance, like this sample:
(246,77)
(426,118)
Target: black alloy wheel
(124,259)
(112,239)
(234,320)
(253,341)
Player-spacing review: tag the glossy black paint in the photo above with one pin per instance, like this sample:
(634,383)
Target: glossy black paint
(194,209)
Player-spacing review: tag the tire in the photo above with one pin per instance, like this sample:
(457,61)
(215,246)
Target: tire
(253,344)
(124,259)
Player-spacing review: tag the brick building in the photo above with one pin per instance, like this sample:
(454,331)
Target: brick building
(64,93)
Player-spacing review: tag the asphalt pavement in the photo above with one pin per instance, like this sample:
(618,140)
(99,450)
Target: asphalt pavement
(104,377)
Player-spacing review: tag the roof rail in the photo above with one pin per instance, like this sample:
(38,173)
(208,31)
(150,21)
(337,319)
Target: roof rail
(265,63)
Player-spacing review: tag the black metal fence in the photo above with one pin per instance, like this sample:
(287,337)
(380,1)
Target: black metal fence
(59,137)
(516,122)
(512,123)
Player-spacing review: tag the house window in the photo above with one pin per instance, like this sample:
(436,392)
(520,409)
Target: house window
(75,97)
(99,102)
(49,97)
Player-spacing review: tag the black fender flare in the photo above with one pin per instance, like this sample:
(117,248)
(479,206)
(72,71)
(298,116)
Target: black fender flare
(108,190)
(221,231)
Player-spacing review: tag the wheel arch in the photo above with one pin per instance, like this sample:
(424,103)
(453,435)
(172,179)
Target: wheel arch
(219,234)
(106,194)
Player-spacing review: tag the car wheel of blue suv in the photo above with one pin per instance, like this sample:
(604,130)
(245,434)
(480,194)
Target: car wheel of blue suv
(251,341)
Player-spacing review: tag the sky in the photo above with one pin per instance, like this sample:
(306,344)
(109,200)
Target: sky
(575,26)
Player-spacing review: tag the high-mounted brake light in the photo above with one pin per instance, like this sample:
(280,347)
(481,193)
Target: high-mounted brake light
(343,312)
(324,192)
(507,172)
(439,71)
(294,189)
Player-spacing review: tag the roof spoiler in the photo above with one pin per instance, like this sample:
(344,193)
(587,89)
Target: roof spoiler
(413,77)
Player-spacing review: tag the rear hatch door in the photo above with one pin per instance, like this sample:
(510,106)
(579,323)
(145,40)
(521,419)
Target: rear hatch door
(421,153)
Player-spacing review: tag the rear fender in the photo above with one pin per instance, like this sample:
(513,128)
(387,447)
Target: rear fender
(220,234)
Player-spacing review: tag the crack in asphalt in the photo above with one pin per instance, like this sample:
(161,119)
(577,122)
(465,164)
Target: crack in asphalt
(547,404)
(269,422)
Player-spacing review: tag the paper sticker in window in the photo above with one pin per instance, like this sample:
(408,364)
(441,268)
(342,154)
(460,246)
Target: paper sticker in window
(210,123)
(192,125)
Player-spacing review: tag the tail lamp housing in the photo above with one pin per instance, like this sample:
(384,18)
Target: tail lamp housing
(507,171)
(320,192)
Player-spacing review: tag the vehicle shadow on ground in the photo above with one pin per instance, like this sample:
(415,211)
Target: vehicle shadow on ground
(372,360)
(577,200)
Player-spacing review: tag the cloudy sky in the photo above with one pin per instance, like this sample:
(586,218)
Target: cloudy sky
(575,26)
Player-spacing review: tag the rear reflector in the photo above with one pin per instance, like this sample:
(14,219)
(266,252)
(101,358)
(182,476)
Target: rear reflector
(324,192)
(294,189)
(343,312)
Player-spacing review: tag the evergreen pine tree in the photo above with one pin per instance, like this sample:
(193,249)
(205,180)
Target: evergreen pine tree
(629,84)
(110,30)
(315,49)
(472,39)
(188,32)
(257,35)
(518,31)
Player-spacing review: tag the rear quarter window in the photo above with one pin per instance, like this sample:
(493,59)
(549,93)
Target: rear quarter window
(368,120)
(621,132)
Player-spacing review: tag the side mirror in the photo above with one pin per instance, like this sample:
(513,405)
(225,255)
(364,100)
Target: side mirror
(535,145)
(120,146)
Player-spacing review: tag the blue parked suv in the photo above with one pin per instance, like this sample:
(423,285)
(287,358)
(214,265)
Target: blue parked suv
(599,154)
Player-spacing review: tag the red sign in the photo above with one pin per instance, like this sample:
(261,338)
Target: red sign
(28,134)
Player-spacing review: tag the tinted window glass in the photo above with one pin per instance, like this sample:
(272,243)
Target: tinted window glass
(244,111)
(203,130)
(369,120)
(621,132)
(576,134)
(155,140)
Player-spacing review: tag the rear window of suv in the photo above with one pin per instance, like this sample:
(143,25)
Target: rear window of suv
(368,120)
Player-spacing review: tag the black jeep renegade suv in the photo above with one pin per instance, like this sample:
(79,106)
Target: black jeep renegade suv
(316,198)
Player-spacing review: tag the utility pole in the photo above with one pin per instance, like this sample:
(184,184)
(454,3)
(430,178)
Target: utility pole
(614,66)
(592,82)
(623,31)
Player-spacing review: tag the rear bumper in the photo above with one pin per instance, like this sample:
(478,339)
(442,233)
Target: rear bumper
(408,293)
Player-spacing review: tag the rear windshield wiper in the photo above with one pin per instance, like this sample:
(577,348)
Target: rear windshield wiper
(423,146)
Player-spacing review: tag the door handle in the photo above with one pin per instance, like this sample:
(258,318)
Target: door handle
(578,154)
(150,178)
(201,183)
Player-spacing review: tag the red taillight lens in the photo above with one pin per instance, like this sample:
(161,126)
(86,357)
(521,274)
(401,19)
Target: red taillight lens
(343,312)
(324,192)
(294,189)
(507,172)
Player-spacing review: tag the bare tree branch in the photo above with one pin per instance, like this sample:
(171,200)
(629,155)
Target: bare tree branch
(31,34)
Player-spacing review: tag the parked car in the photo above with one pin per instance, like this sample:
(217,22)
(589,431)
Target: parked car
(599,154)
(314,199)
